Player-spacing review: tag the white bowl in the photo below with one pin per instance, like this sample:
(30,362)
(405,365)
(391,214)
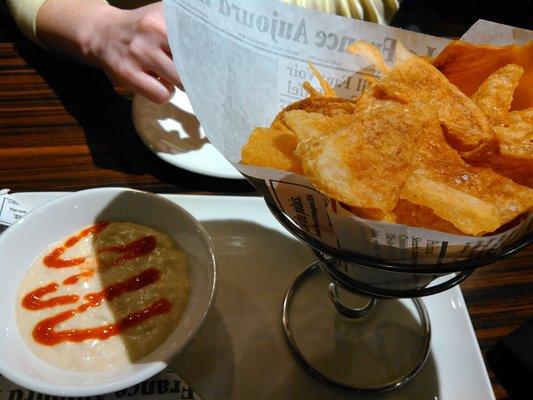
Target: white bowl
(25,240)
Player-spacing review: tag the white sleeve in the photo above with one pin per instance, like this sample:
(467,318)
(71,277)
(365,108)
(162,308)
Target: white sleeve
(24,12)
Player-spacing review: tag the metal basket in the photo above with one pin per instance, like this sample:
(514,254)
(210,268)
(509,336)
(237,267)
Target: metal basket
(375,279)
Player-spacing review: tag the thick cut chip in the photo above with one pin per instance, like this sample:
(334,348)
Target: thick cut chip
(330,106)
(326,88)
(367,213)
(475,200)
(468,65)
(407,213)
(516,141)
(397,152)
(495,95)
(272,148)
(369,52)
(519,171)
(515,137)
(519,117)
(413,79)
(365,163)
(307,125)
(369,99)
(311,91)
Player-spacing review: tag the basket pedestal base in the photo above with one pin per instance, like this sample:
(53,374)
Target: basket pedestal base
(350,342)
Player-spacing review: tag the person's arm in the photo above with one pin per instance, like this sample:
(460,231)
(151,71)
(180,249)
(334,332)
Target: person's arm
(131,46)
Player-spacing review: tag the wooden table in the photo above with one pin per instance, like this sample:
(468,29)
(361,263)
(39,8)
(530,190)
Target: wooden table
(62,127)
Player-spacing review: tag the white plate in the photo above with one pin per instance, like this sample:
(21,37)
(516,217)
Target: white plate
(241,352)
(174,134)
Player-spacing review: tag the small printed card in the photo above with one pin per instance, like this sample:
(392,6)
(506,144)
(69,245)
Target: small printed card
(10,210)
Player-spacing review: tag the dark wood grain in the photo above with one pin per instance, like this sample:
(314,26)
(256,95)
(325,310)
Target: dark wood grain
(63,127)
(499,298)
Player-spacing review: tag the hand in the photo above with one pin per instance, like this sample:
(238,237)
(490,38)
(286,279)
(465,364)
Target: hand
(131,46)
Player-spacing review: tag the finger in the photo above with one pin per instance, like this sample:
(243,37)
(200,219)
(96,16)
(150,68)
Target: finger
(151,57)
(163,66)
(144,84)
(165,45)
(170,87)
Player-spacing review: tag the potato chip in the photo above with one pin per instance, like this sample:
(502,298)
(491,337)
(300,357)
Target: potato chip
(272,148)
(311,91)
(495,95)
(326,88)
(481,152)
(370,52)
(515,137)
(413,79)
(397,153)
(407,213)
(519,171)
(468,65)
(364,164)
(516,141)
(519,117)
(307,125)
(367,213)
(330,106)
(475,200)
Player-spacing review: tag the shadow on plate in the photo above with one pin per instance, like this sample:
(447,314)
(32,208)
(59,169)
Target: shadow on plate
(106,120)
(167,128)
(241,351)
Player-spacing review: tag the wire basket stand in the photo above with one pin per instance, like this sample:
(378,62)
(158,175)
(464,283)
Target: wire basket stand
(350,272)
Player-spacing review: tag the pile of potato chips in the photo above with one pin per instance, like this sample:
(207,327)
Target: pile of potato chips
(413,148)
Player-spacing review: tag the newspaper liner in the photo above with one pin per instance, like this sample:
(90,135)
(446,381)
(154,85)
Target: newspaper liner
(242,61)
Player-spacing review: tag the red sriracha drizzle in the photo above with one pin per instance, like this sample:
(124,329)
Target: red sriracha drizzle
(44,331)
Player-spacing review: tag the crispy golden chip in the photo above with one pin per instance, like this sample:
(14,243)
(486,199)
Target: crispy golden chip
(370,52)
(365,163)
(413,79)
(519,171)
(407,213)
(468,65)
(495,95)
(519,117)
(272,148)
(367,213)
(368,100)
(401,54)
(396,153)
(475,200)
(330,106)
(311,91)
(326,88)
(516,141)
(515,137)
(307,125)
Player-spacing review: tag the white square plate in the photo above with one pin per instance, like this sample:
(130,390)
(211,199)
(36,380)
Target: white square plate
(241,353)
